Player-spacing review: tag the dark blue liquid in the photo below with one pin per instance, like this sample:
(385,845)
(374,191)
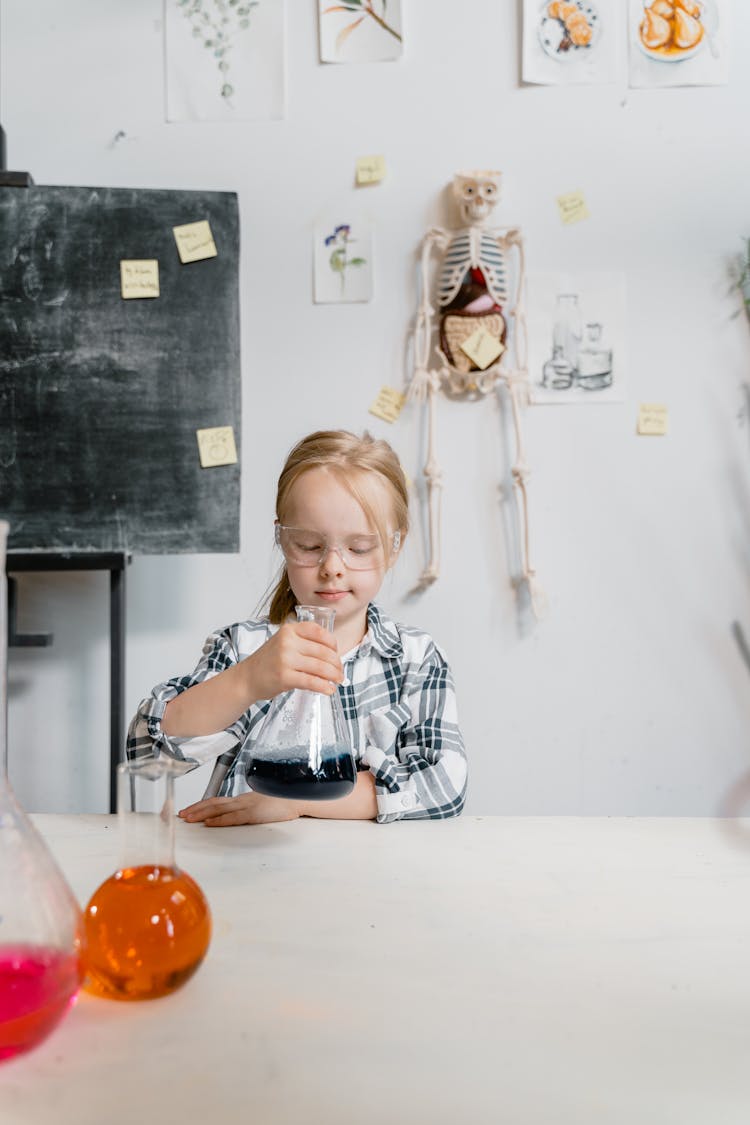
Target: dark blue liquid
(294,779)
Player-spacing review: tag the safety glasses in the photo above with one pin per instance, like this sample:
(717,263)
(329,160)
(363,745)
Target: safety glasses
(304,547)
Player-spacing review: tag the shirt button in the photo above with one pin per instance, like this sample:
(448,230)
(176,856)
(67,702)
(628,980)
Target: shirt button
(406,800)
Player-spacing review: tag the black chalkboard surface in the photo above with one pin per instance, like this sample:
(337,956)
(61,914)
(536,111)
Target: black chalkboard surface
(101,397)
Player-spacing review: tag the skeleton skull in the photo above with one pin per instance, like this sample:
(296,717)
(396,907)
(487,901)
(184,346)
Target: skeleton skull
(476,194)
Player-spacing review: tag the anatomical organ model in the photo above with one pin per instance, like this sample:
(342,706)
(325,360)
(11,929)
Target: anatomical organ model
(474,340)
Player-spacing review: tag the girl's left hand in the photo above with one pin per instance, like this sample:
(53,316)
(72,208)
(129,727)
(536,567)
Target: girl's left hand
(248,808)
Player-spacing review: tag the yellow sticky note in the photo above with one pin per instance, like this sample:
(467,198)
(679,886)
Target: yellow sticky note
(139,277)
(370,169)
(216,446)
(388,404)
(652,418)
(572,207)
(482,349)
(195,241)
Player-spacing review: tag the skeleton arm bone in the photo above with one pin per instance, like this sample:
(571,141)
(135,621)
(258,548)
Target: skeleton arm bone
(423,380)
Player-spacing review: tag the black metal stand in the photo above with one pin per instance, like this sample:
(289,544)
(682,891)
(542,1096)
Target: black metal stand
(115,562)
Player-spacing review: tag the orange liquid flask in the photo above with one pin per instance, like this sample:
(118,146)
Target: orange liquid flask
(148,926)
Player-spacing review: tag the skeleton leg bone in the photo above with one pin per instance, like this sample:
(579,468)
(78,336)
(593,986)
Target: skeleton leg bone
(434,478)
(520,473)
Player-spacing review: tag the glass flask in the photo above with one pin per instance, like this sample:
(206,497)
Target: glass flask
(594,361)
(303,751)
(148,925)
(568,330)
(40,920)
(557,373)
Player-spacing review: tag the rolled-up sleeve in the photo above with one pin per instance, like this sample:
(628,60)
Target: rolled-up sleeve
(146,739)
(415,749)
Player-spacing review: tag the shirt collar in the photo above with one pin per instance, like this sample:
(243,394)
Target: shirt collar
(382,634)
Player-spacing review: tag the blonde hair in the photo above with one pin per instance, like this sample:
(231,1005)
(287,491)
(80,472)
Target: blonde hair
(352,460)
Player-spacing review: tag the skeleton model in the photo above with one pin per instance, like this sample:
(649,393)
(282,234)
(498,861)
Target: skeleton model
(475,340)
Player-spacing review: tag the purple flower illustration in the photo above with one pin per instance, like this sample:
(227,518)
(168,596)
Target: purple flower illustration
(339,260)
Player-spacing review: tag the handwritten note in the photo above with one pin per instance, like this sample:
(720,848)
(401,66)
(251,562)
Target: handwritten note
(195,241)
(370,169)
(139,277)
(216,446)
(652,419)
(388,405)
(482,349)
(572,207)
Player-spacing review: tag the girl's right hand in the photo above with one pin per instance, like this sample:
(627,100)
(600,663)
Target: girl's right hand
(300,655)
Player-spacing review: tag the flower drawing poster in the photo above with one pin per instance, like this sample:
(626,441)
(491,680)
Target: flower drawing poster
(224,62)
(576,334)
(342,262)
(678,42)
(570,41)
(359,30)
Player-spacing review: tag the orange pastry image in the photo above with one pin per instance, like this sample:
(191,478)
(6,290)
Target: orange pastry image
(690,6)
(578,31)
(687,30)
(670,27)
(656,31)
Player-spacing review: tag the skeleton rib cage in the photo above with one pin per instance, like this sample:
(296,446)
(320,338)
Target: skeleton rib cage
(472,249)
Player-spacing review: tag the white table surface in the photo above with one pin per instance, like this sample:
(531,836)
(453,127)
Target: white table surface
(523,971)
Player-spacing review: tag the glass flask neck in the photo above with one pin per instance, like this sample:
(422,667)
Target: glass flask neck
(145,812)
(321,615)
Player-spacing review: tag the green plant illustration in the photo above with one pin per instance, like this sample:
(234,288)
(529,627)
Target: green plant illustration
(742,276)
(339,260)
(362,9)
(217,23)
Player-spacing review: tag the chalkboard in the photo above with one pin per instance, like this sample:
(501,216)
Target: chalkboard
(101,397)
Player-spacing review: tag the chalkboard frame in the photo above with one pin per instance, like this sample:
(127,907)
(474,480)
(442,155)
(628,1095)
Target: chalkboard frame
(101,397)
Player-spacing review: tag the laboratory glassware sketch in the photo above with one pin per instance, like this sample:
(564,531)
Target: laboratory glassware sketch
(579,357)
(576,326)
(474,342)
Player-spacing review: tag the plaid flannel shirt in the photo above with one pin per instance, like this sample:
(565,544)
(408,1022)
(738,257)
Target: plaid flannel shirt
(399,704)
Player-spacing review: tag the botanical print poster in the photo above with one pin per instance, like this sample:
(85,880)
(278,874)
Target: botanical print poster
(570,41)
(678,42)
(224,60)
(576,331)
(359,30)
(342,261)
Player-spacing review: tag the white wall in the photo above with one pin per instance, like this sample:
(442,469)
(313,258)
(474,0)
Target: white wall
(630,697)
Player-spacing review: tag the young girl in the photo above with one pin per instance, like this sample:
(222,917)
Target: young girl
(341,520)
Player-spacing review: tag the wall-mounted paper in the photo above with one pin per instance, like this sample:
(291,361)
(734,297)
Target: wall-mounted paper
(388,405)
(370,169)
(352,31)
(224,61)
(342,262)
(682,43)
(139,277)
(216,446)
(570,41)
(195,241)
(576,331)
(482,348)
(572,207)
(652,419)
